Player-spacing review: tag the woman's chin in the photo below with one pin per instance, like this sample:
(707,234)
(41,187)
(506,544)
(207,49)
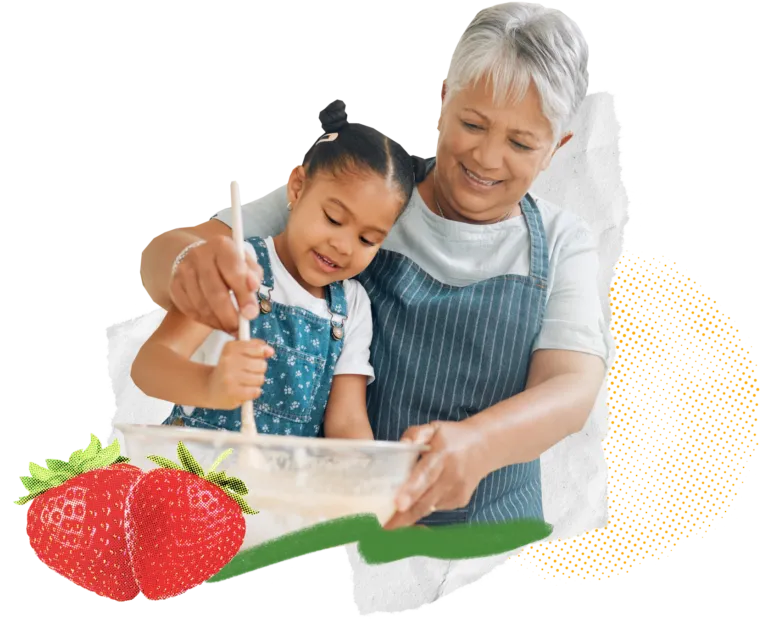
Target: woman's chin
(475,207)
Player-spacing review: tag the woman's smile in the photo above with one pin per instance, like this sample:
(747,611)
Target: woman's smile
(476,181)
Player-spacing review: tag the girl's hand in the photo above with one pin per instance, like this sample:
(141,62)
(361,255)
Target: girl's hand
(239,375)
(446,476)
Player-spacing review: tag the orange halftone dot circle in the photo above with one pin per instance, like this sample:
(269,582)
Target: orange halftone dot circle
(682,395)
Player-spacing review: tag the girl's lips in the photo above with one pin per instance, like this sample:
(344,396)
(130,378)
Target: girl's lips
(325,264)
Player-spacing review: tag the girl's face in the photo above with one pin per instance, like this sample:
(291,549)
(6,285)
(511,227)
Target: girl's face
(488,154)
(337,224)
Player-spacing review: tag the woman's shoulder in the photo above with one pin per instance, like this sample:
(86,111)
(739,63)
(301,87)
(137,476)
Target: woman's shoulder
(564,228)
(265,216)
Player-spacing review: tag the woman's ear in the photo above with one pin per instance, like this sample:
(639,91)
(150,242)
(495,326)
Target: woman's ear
(442,100)
(563,140)
(296,184)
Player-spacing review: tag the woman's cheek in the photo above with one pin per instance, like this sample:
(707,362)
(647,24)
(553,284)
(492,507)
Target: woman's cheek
(461,143)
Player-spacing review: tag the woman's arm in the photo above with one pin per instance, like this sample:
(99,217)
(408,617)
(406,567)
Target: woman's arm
(346,415)
(560,393)
(157,258)
(200,287)
(208,272)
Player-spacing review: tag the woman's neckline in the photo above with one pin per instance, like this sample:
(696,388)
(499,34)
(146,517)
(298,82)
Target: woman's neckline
(459,228)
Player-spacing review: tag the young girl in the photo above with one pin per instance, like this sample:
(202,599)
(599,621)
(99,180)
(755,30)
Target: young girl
(343,201)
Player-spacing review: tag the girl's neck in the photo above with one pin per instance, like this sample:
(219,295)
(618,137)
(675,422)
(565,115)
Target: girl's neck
(284,254)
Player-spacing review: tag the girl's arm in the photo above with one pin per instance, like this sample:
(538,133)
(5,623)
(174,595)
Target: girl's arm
(345,415)
(163,369)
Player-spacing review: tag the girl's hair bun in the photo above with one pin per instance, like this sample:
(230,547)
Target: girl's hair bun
(335,116)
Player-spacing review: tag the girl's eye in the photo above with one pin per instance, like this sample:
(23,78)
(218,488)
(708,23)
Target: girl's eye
(363,240)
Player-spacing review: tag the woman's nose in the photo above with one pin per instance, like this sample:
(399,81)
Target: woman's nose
(489,155)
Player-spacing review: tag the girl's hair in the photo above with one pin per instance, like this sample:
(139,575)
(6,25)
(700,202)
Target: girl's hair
(353,148)
(516,43)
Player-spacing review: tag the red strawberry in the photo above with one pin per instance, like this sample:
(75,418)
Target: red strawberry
(76,521)
(183,525)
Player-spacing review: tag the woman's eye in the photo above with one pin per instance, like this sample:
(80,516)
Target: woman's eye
(475,127)
(333,221)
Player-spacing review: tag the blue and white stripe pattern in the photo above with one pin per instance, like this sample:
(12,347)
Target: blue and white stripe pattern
(445,353)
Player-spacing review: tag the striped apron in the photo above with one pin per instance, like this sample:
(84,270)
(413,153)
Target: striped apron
(446,353)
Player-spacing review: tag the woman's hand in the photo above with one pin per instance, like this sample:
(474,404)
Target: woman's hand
(200,286)
(446,476)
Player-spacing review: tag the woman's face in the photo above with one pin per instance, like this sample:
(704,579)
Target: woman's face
(489,154)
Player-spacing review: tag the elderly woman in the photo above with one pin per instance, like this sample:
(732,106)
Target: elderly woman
(488,338)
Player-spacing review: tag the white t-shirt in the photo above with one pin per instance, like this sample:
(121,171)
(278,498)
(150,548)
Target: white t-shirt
(354,358)
(460,254)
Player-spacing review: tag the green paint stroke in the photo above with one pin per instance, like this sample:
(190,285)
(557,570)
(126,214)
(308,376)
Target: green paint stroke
(376,545)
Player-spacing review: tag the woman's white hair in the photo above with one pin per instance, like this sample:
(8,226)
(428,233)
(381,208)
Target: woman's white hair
(515,43)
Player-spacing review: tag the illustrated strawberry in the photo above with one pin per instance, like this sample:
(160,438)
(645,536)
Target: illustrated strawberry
(76,521)
(183,525)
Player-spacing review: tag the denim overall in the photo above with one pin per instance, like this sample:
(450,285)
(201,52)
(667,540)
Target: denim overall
(446,353)
(298,379)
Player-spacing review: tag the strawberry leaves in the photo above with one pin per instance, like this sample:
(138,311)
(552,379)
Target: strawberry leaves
(164,463)
(189,462)
(58,472)
(220,459)
(234,487)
